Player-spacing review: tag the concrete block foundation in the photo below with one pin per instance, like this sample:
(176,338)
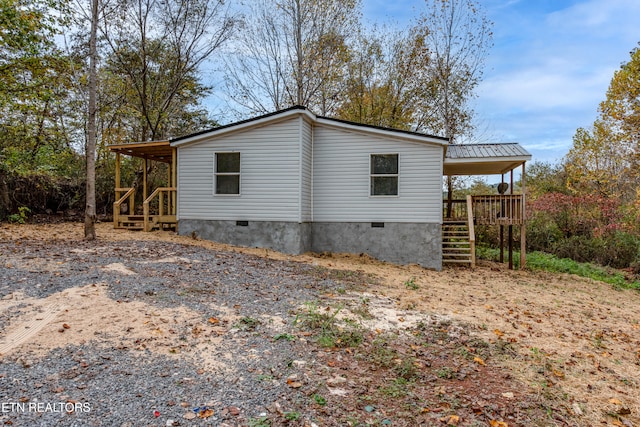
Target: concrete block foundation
(402,243)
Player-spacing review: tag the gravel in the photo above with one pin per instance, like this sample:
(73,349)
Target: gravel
(120,386)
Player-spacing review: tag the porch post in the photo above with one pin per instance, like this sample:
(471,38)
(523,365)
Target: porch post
(502,236)
(144,180)
(116,212)
(169,179)
(174,180)
(511,226)
(523,227)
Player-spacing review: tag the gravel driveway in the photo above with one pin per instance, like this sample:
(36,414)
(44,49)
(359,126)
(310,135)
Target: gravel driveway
(112,381)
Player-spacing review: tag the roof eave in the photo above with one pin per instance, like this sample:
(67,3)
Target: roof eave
(244,125)
(383,132)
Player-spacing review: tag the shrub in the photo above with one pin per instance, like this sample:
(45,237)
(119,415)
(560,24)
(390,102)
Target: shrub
(579,248)
(542,233)
(620,250)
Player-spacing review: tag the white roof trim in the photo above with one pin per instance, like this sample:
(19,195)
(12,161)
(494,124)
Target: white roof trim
(297,112)
(223,130)
(382,132)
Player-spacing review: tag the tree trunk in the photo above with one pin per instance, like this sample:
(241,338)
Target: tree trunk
(90,152)
(5,201)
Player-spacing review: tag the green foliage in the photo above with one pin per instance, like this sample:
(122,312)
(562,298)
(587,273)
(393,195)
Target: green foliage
(247,323)
(329,331)
(319,399)
(399,387)
(259,422)
(21,216)
(543,234)
(411,284)
(547,262)
(292,416)
(543,177)
(284,336)
(381,353)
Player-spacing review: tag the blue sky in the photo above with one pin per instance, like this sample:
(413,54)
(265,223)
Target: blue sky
(550,66)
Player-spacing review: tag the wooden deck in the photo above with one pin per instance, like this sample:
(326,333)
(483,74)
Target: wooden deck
(461,216)
(159,208)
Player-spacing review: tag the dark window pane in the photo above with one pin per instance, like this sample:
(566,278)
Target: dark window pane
(384,164)
(227,162)
(227,184)
(384,186)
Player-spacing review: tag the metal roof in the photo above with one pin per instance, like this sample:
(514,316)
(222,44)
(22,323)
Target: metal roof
(484,159)
(289,112)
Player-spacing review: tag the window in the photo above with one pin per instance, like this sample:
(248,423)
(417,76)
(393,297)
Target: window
(384,174)
(227,173)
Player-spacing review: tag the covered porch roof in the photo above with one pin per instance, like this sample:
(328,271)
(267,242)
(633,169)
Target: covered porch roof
(159,151)
(484,159)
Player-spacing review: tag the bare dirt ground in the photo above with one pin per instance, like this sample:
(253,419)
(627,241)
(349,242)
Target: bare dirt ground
(558,349)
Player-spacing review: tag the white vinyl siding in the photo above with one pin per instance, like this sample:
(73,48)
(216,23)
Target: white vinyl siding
(307,171)
(269,180)
(341,177)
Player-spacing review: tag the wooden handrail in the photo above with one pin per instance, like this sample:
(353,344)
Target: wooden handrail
(499,209)
(472,231)
(458,208)
(157,192)
(118,203)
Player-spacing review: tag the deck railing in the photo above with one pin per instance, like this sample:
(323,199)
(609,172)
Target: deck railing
(130,194)
(165,215)
(497,209)
(500,209)
(472,231)
(458,209)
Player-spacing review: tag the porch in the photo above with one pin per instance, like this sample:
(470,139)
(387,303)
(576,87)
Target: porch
(504,210)
(158,210)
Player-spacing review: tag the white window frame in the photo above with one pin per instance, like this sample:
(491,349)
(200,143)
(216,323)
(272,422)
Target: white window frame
(372,176)
(216,174)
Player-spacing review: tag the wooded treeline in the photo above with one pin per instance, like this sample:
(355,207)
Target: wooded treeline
(587,206)
(158,59)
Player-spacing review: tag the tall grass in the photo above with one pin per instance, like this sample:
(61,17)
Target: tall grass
(547,262)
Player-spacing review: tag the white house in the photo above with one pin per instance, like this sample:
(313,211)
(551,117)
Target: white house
(296,182)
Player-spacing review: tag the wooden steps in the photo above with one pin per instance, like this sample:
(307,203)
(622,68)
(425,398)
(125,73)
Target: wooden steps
(136,222)
(131,222)
(456,247)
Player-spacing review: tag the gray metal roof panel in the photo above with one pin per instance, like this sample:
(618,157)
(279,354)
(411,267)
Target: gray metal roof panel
(486,151)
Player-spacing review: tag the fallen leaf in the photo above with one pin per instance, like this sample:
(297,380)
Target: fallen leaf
(64,325)
(558,374)
(498,332)
(451,420)
(206,413)
(495,423)
(294,384)
(478,360)
(214,320)
(615,401)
